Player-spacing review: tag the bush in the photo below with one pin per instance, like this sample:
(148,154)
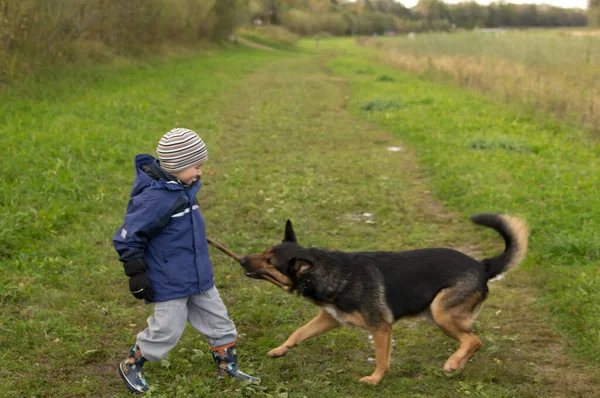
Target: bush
(333,23)
(299,22)
(270,35)
(368,23)
(36,34)
(411,25)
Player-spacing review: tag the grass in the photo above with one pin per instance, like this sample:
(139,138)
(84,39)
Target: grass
(287,139)
(552,71)
(59,285)
(379,104)
(546,171)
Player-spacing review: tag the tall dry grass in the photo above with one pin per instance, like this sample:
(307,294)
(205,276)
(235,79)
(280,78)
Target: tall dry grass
(35,34)
(552,71)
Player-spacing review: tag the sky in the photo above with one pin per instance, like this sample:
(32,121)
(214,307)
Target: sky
(558,3)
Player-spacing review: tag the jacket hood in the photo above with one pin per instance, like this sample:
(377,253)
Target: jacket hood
(148,173)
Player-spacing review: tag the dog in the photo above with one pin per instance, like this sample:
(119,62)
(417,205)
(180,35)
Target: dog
(373,289)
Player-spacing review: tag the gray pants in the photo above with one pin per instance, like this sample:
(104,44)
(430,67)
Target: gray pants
(206,313)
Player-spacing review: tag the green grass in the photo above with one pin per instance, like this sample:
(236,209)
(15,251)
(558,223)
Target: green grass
(287,139)
(64,187)
(552,71)
(481,157)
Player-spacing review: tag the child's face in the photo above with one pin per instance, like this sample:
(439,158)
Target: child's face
(189,175)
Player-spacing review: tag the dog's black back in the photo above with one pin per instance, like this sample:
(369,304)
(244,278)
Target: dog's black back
(409,279)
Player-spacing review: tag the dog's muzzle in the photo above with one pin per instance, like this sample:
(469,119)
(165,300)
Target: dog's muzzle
(263,276)
(250,274)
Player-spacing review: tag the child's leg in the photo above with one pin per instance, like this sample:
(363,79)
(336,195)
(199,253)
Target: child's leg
(164,329)
(208,315)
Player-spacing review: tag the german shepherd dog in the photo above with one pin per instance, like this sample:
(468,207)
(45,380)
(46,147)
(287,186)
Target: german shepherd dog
(374,289)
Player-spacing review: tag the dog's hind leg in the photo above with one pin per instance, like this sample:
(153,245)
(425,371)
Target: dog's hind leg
(382,337)
(320,324)
(453,311)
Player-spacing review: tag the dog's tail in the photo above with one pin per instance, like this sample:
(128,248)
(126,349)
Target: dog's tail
(515,234)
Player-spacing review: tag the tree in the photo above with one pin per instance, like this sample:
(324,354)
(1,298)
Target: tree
(433,10)
(272,9)
(391,7)
(228,17)
(469,14)
(593,12)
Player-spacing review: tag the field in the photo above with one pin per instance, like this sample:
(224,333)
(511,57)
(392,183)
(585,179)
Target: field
(548,71)
(303,135)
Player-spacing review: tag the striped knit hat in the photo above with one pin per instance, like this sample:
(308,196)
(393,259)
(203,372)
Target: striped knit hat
(179,149)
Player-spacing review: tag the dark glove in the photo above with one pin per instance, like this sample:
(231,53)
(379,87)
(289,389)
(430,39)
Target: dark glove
(139,283)
(139,286)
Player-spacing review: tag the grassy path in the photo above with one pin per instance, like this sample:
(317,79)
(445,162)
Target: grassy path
(481,155)
(284,142)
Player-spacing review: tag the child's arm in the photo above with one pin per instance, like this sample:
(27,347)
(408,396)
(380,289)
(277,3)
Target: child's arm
(143,220)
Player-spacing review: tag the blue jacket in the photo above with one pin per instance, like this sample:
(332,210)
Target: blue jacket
(163,224)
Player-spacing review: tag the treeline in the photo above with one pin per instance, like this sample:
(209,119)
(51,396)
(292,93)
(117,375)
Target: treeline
(594,12)
(380,16)
(471,14)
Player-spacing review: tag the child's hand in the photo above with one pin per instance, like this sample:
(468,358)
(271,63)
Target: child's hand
(139,285)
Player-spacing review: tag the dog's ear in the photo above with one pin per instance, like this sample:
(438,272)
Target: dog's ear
(299,266)
(290,236)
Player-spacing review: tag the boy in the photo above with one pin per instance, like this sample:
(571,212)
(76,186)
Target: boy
(162,244)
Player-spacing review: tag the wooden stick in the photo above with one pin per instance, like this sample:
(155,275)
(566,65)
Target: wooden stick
(223,249)
(237,258)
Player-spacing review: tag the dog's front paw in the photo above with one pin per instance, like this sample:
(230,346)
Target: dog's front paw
(278,352)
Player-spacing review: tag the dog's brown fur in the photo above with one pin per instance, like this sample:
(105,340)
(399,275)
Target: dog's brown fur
(372,290)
